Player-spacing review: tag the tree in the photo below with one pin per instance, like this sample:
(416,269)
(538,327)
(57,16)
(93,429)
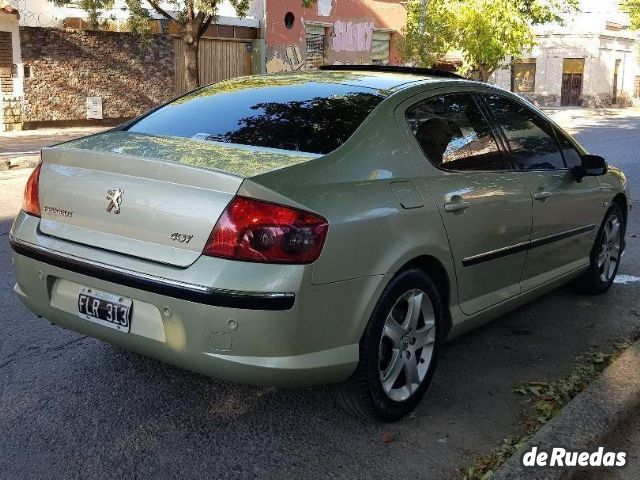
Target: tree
(485,32)
(632,7)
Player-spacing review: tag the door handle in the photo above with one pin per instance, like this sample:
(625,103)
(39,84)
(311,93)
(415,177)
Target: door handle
(456,206)
(542,196)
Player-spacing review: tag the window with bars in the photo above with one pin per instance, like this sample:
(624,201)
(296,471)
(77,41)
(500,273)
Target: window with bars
(315,51)
(380,48)
(6,63)
(523,76)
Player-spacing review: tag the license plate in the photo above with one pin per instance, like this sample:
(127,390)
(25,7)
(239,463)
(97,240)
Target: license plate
(107,309)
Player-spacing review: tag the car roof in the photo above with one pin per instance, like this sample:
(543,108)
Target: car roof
(384,81)
(391,78)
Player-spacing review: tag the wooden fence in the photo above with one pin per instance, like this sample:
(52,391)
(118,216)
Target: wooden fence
(219,60)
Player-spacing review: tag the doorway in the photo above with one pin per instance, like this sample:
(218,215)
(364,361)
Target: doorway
(572,75)
(616,71)
(6,63)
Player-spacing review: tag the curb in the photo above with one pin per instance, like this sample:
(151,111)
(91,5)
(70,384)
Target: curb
(586,420)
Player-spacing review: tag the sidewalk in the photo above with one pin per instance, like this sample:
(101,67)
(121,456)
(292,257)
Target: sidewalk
(625,438)
(22,148)
(572,118)
(30,141)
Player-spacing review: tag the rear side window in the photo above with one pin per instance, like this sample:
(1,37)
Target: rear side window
(454,135)
(283,113)
(531,138)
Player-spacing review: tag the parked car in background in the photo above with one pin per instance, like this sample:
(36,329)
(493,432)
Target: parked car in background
(326,227)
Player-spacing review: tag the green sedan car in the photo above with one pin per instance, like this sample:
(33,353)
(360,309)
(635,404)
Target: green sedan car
(324,227)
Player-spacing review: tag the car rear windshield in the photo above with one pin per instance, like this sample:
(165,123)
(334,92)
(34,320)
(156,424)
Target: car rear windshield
(307,116)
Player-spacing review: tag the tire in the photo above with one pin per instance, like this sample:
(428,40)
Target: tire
(395,351)
(608,244)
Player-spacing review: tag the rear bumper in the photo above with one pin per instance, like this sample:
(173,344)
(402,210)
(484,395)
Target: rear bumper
(314,339)
(150,283)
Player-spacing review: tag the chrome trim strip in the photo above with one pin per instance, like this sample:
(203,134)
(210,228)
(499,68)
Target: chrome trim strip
(523,246)
(493,254)
(155,284)
(561,236)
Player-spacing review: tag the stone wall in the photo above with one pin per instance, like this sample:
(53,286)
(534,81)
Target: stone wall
(605,100)
(542,100)
(67,66)
(11,114)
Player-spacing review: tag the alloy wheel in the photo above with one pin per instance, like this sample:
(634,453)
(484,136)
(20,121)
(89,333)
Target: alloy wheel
(610,247)
(406,346)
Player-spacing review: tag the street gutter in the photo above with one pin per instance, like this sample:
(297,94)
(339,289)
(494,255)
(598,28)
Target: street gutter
(586,421)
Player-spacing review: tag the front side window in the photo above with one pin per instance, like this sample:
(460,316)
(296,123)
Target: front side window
(531,138)
(288,112)
(454,135)
(571,156)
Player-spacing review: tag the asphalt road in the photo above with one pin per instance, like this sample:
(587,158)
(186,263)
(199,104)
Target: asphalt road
(73,407)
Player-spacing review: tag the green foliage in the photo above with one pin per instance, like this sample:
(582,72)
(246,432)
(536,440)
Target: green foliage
(632,7)
(545,11)
(485,32)
(95,8)
(184,12)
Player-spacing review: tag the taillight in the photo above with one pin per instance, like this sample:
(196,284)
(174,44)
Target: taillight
(257,231)
(31,201)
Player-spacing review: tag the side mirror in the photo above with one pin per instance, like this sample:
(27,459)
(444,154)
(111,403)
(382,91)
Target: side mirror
(592,166)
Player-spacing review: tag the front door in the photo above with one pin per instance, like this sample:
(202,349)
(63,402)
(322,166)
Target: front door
(6,63)
(572,73)
(485,209)
(565,212)
(616,71)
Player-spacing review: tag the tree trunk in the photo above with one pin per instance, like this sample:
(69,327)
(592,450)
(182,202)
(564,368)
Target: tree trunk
(191,70)
(485,73)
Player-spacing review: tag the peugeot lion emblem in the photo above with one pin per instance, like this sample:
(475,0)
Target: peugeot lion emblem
(114,199)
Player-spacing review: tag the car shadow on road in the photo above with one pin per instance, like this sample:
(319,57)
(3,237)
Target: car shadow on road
(137,405)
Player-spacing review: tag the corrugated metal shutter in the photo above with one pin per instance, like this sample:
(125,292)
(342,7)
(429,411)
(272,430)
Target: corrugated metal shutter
(380,48)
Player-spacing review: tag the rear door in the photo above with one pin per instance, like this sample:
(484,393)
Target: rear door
(485,209)
(565,212)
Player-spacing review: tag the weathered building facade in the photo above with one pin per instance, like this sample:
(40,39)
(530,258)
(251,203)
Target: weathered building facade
(591,61)
(330,32)
(55,67)
(10,70)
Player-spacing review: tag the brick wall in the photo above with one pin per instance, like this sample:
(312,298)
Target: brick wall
(69,65)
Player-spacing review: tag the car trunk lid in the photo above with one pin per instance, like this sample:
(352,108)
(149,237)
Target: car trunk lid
(150,197)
